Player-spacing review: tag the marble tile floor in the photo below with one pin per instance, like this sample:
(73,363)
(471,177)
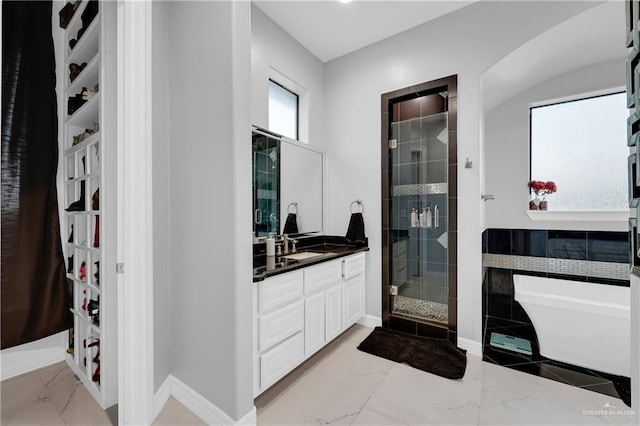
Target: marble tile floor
(341,385)
(54,396)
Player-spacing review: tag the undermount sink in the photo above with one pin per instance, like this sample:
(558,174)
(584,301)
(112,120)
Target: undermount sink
(303,255)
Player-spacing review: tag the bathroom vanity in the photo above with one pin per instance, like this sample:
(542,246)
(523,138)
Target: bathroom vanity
(301,303)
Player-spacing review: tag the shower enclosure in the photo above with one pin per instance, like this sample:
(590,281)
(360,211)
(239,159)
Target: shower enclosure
(266,184)
(419,166)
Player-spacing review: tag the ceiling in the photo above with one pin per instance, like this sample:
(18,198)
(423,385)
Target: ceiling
(591,37)
(330,29)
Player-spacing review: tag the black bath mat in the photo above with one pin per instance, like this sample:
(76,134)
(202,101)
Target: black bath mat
(436,356)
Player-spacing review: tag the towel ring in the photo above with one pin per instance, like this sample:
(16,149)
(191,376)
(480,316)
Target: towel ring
(295,206)
(359,203)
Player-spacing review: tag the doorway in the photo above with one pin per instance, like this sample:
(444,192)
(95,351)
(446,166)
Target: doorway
(419,192)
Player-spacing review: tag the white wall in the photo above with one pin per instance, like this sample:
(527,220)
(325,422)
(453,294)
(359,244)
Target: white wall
(466,43)
(272,48)
(506,154)
(209,198)
(635,347)
(33,355)
(161,178)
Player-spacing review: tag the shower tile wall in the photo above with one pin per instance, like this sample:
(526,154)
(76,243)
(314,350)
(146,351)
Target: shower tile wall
(421,156)
(594,257)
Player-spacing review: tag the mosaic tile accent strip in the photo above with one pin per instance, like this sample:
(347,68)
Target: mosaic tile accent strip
(421,308)
(420,189)
(267,194)
(617,271)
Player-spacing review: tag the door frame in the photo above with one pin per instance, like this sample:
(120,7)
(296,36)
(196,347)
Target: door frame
(135,215)
(392,320)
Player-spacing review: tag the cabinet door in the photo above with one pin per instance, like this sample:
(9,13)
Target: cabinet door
(322,275)
(279,325)
(353,300)
(333,311)
(280,360)
(279,290)
(314,323)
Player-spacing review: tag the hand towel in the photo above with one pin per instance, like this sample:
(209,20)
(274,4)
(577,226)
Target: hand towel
(291,224)
(355,232)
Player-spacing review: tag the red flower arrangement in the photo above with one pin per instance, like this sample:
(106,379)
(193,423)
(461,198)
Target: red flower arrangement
(541,188)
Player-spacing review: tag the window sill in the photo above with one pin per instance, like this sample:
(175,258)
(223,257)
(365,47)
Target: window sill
(579,215)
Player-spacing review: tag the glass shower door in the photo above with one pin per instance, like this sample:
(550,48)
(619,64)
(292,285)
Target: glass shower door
(266,184)
(419,190)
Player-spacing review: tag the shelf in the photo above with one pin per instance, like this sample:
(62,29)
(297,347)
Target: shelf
(83,177)
(88,77)
(76,15)
(88,141)
(93,288)
(88,45)
(94,327)
(619,216)
(78,314)
(96,212)
(86,115)
(89,249)
(91,48)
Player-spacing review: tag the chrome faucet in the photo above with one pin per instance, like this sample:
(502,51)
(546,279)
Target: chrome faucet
(286,240)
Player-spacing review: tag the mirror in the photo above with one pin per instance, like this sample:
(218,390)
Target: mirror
(287,180)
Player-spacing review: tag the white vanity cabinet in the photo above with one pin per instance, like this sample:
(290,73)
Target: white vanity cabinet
(323,304)
(353,274)
(297,313)
(279,327)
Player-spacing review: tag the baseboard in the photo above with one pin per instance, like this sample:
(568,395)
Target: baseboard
(17,363)
(249,419)
(162,396)
(370,321)
(471,346)
(198,404)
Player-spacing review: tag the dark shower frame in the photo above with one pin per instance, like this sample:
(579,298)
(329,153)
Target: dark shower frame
(395,321)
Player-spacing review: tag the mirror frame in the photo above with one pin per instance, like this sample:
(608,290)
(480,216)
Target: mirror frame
(308,147)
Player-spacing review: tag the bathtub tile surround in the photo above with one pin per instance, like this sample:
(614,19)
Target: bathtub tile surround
(583,256)
(578,270)
(578,255)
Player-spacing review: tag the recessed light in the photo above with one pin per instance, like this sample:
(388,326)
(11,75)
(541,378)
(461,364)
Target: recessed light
(344,1)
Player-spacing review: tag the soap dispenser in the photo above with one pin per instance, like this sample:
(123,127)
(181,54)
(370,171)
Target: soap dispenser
(414,218)
(428,218)
(271,246)
(422,217)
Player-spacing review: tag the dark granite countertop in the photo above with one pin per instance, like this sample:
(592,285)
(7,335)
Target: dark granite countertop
(330,247)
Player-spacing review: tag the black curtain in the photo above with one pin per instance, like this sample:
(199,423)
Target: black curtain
(34,291)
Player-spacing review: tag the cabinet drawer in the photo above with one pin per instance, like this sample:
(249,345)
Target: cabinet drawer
(322,275)
(353,266)
(280,360)
(278,325)
(279,290)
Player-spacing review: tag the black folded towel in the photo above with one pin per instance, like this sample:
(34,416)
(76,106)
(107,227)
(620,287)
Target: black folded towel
(355,232)
(291,224)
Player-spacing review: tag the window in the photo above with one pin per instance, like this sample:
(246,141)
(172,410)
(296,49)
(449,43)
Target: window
(581,146)
(283,110)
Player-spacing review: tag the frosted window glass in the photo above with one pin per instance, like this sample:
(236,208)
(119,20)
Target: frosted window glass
(581,146)
(283,111)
